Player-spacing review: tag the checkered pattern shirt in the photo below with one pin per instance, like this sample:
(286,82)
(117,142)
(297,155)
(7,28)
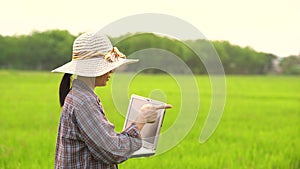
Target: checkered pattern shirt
(86,139)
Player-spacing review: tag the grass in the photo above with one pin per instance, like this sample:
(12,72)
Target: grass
(259,127)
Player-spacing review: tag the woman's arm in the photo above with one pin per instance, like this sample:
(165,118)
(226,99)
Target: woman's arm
(102,141)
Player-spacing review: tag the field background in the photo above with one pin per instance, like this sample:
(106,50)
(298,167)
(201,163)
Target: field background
(259,128)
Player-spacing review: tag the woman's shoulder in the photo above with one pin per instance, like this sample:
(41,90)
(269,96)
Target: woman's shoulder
(80,97)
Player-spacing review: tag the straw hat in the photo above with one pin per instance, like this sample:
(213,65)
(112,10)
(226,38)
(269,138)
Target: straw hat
(93,55)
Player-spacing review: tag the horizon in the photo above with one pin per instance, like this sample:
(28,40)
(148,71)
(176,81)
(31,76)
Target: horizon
(163,35)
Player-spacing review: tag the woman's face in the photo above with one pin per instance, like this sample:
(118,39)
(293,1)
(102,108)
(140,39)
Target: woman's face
(102,80)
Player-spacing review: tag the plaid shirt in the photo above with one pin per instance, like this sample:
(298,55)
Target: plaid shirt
(86,139)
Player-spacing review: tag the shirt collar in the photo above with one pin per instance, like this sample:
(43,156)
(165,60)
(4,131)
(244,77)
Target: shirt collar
(79,85)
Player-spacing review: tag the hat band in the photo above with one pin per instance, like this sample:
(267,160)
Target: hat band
(111,56)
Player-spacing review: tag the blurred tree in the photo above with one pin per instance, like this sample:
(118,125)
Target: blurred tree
(238,60)
(136,42)
(50,49)
(290,65)
(38,51)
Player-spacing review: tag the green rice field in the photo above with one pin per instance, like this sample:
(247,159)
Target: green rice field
(260,127)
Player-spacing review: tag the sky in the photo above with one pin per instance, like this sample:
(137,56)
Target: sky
(270,26)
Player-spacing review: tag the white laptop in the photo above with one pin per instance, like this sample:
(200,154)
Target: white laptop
(150,131)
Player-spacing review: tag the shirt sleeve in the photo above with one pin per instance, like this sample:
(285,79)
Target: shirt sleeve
(101,139)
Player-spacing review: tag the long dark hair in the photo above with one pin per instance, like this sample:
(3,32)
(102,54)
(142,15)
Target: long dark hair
(64,88)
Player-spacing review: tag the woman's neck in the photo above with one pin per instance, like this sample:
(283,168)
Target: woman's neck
(89,81)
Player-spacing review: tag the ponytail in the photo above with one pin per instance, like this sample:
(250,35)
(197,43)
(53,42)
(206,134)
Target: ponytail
(64,88)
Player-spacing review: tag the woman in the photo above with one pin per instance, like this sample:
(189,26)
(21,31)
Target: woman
(86,139)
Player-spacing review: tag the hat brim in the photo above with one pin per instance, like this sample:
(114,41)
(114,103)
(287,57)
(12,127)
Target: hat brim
(92,67)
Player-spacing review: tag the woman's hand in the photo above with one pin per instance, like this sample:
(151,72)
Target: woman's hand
(148,114)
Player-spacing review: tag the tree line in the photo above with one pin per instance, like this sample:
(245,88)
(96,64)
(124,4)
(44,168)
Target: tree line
(50,49)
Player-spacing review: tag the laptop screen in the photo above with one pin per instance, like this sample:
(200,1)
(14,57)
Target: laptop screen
(150,131)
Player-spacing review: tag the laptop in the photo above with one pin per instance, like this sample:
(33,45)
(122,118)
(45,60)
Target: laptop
(150,132)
